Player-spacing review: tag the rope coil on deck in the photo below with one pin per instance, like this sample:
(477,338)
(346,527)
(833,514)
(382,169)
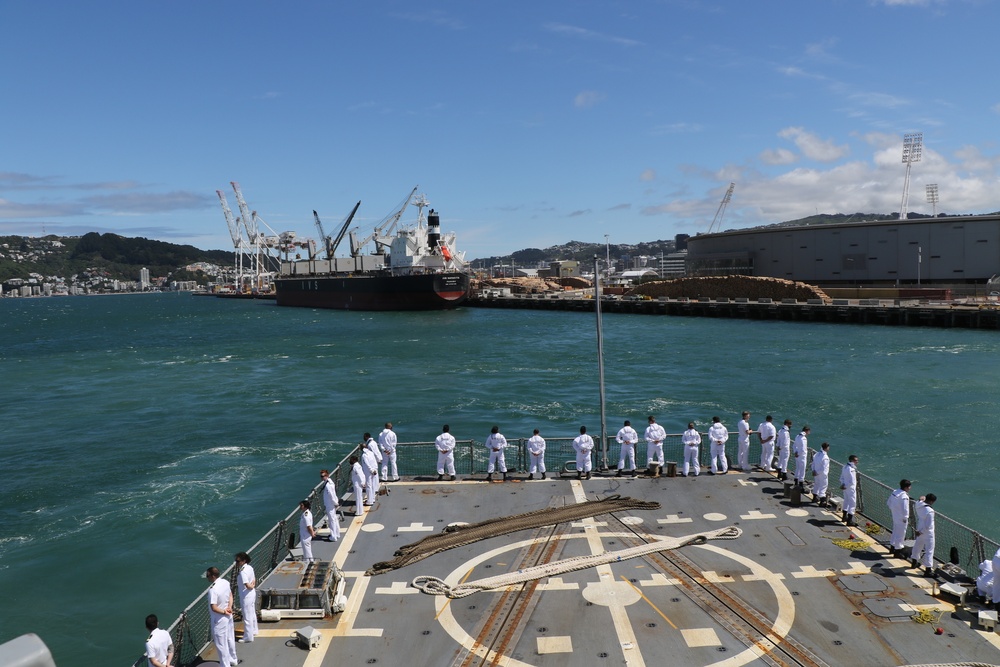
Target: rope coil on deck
(436,586)
(460,536)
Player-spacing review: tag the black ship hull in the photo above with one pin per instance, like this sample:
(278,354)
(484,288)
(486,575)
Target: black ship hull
(379,291)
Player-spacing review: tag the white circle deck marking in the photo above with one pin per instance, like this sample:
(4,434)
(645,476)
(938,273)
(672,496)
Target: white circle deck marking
(779,627)
(372,527)
(797,512)
(632,520)
(715,516)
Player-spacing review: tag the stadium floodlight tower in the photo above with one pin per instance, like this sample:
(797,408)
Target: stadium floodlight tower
(932,196)
(913,147)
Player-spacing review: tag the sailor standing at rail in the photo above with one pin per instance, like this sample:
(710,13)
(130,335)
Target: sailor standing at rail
(627,438)
(536,451)
(369,463)
(717,437)
(495,444)
(984,582)
(358,479)
(331,502)
(801,453)
(246,586)
(655,435)
(899,505)
(692,447)
(767,434)
(387,443)
(743,442)
(376,451)
(583,444)
(306,531)
(923,546)
(160,645)
(783,440)
(445,444)
(849,485)
(220,615)
(821,474)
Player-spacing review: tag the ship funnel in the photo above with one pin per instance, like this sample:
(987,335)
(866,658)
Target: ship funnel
(433,228)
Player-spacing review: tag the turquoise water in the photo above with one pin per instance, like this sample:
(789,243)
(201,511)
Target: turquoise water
(146,437)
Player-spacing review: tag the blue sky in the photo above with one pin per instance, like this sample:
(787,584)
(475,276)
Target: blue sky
(526,124)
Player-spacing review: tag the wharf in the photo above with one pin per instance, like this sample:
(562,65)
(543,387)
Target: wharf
(841,311)
(782,593)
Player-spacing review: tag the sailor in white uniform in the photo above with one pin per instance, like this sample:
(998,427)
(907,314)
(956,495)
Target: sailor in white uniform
(369,463)
(583,444)
(923,546)
(743,442)
(495,444)
(821,474)
(899,506)
(445,444)
(159,645)
(358,479)
(984,582)
(801,452)
(536,453)
(387,443)
(655,435)
(717,437)
(849,485)
(306,531)
(692,449)
(246,586)
(220,615)
(783,442)
(996,580)
(767,435)
(627,438)
(331,502)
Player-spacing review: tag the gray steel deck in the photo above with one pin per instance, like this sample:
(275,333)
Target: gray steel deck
(781,594)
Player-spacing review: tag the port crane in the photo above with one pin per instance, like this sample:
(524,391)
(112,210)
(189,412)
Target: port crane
(382,234)
(239,243)
(331,246)
(721,212)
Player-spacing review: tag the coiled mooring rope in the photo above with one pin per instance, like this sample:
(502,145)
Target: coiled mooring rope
(436,586)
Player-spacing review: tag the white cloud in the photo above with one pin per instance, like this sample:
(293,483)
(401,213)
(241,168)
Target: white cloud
(648,175)
(777,156)
(812,146)
(584,33)
(587,98)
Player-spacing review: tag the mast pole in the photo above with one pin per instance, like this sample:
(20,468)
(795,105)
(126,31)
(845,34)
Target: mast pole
(600,362)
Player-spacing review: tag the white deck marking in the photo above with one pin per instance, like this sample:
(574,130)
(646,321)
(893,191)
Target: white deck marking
(715,516)
(755,577)
(345,626)
(659,579)
(562,644)
(372,527)
(557,584)
(698,637)
(397,588)
(589,523)
(713,577)
(415,527)
(674,518)
(856,568)
(745,482)
(797,512)
(348,537)
(632,520)
(757,514)
(810,572)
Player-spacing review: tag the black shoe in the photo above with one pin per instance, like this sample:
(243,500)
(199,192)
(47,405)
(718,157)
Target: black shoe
(588,474)
(453,478)
(850,521)
(543,475)
(489,477)
(914,565)
(531,475)
(440,477)
(505,477)
(928,572)
(579,474)
(618,474)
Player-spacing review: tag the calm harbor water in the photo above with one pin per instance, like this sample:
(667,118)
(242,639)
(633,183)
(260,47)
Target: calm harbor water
(147,437)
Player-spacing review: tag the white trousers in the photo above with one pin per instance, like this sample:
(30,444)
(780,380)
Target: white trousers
(224,640)
(820,483)
(851,501)
(743,456)
(654,453)
(389,465)
(497,461)
(691,459)
(627,455)
(783,459)
(372,488)
(248,604)
(800,468)
(898,531)
(719,462)
(332,523)
(359,498)
(923,549)
(307,546)
(583,462)
(537,463)
(767,455)
(446,462)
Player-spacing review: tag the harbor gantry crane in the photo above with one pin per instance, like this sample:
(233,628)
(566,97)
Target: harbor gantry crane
(239,243)
(721,212)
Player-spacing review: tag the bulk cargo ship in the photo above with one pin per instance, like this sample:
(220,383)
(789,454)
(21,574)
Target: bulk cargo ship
(412,268)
